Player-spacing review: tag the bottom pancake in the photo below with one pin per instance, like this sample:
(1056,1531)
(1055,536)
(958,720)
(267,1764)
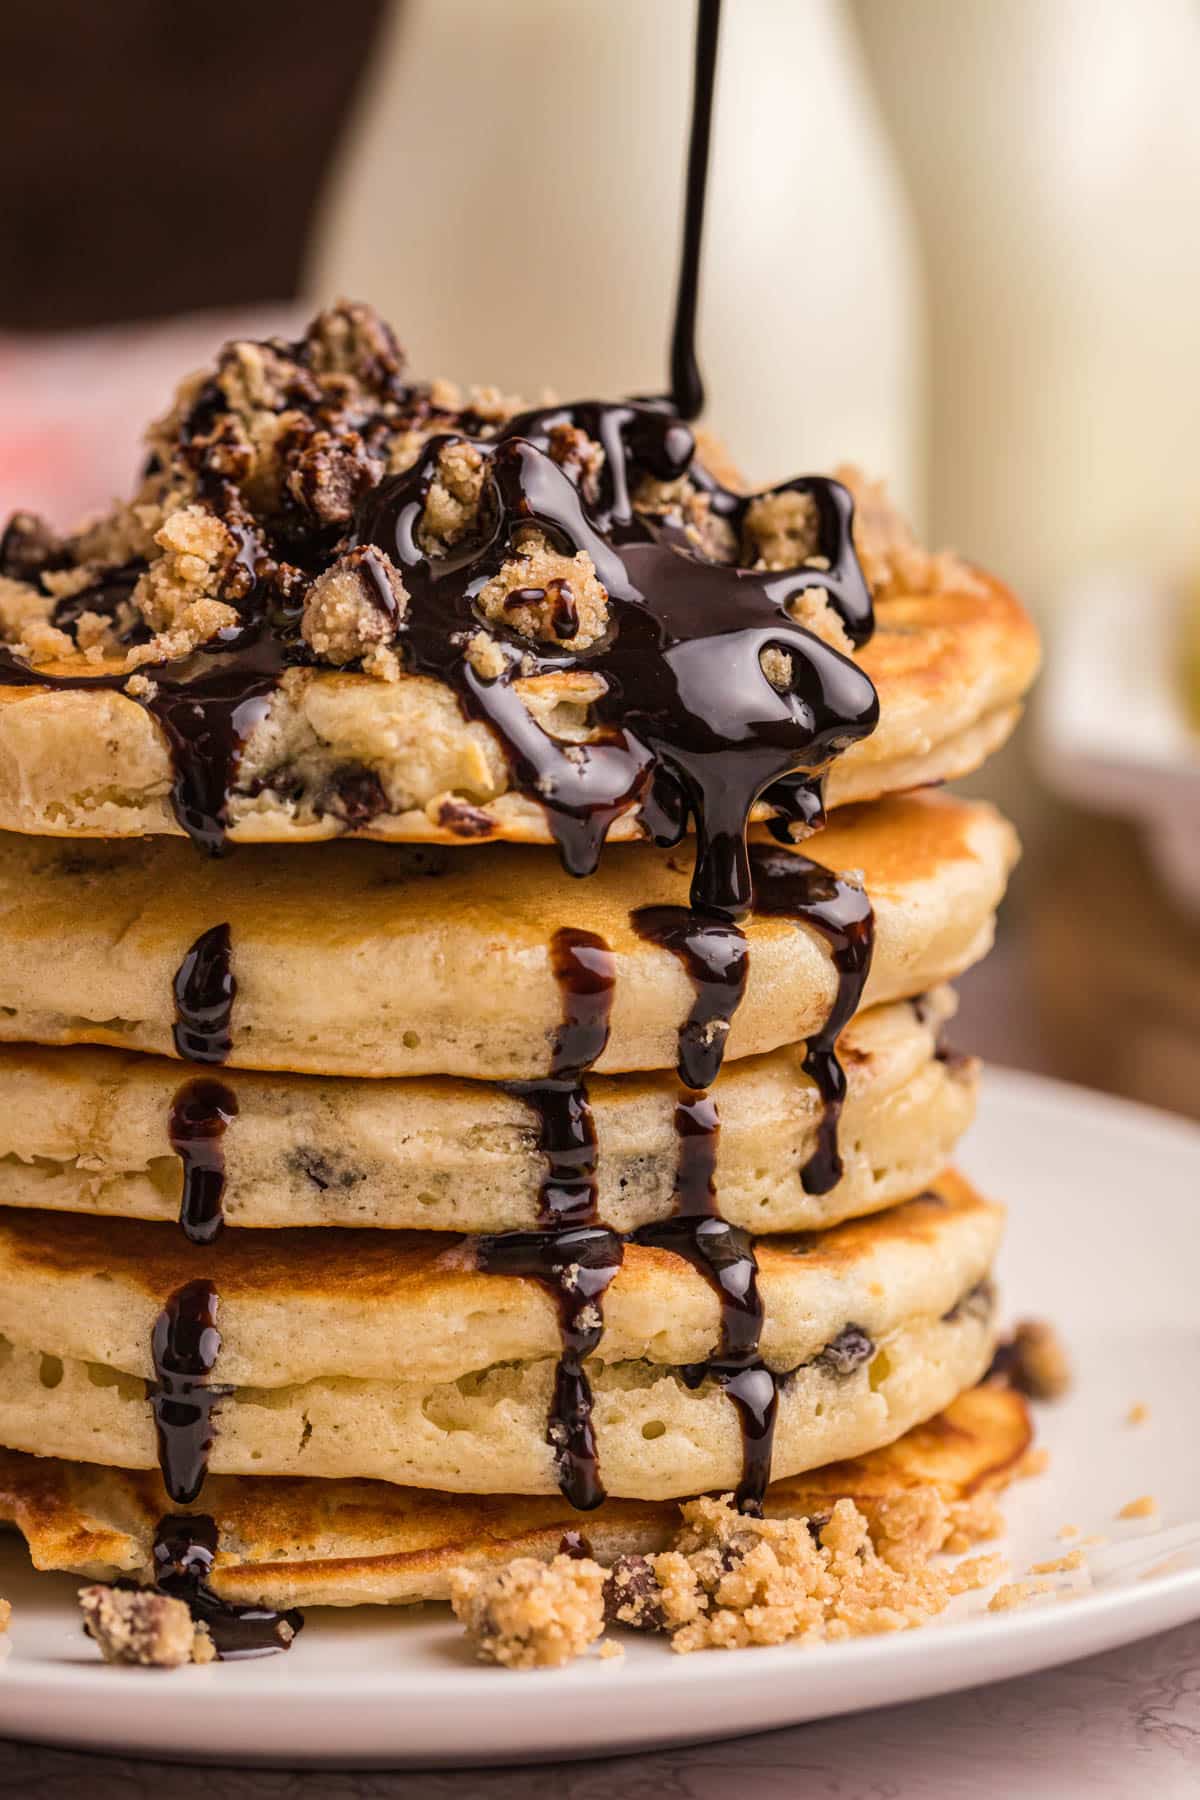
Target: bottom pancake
(347,1543)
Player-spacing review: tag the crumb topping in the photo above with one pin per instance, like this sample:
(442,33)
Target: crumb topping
(530,1614)
(258,472)
(729,1581)
(542,594)
(351,610)
(138,1625)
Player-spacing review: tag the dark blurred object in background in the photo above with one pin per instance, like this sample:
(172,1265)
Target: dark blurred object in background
(197,139)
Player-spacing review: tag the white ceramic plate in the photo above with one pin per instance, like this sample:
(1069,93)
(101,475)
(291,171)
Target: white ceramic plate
(1104,1239)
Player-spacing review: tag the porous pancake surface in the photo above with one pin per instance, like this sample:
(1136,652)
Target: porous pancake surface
(373,960)
(362,1355)
(657,1435)
(89,1130)
(296,1542)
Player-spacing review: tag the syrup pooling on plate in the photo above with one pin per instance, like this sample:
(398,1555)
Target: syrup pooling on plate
(183,1396)
(185,1548)
(200,1113)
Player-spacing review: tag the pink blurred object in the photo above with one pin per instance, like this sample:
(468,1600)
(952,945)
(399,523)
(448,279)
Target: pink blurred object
(73,406)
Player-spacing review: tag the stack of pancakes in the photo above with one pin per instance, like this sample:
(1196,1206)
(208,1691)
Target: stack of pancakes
(422,1161)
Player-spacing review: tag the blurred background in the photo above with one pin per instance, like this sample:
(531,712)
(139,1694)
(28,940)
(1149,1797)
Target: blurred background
(956,241)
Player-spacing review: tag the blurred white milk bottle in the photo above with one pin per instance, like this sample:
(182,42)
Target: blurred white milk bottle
(511,196)
(1052,149)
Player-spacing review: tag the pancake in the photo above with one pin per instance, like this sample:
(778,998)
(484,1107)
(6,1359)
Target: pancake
(305,1542)
(402,1359)
(657,1435)
(89,1130)
(950,670)
(370,960)
(296,1305)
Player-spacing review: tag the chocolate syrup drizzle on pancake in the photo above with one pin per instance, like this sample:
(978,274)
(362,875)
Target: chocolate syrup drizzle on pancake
(200,1113)
(716,956)
(574,1256)
(694,730)
(185,1547)
(183,1397)
(789,885)
(205,989)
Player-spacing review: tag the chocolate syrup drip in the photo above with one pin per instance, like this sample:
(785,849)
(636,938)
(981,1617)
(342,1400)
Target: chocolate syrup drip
(183,1397)
(185,1547)
(200,1113)
(584,969)
(789,885)
(205,989)
(717,959)
(574,1257)
(694,728)
(687,387)
(575,1265)
(724,1255)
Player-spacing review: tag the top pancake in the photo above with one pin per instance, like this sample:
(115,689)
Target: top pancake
(491,620)
(369,960)
(949,668)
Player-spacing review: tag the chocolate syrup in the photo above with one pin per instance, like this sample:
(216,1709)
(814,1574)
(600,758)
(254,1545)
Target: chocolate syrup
(687,387)
(183,1397)
(185,1547)
(583,967)
(574,1256)
(205,989)
(694,728)
(576,1265)
(787,884)
(717,959)
(200,1113)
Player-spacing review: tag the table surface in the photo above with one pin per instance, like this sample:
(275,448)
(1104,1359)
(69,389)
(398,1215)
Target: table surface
(1110,1726)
